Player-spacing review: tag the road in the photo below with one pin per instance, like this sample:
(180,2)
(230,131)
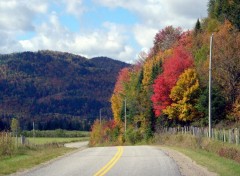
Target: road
(127,160)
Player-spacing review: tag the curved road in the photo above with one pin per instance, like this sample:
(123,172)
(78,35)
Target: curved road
(127,160)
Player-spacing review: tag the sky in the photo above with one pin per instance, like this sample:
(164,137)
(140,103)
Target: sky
(119,29)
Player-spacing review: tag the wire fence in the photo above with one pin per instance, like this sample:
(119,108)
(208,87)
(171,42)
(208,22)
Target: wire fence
(225,135)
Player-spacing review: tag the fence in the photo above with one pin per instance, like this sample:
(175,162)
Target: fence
(230,135)
(8,137)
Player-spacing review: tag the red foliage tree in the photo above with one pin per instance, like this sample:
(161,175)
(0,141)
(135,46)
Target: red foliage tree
(123,77)
(172,69)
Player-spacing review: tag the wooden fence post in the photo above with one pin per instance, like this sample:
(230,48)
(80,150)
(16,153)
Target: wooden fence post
(237,136)
(229,136)
(224,135)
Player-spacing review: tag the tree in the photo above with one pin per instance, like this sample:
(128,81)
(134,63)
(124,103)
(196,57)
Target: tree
(226,61)
(234,12)
(119,93)
(218,105)
(225,10)
(236,109)
(184,96)
(165,38)
(15,126)
(211,6)
(172,68)
(197,28)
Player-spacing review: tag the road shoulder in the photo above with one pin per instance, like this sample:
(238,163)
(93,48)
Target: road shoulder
(187,166)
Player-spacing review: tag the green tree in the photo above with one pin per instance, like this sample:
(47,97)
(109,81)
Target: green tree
(198,27)
(218,106)
(15,126)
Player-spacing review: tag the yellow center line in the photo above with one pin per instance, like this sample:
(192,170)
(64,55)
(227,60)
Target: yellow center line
(111,163)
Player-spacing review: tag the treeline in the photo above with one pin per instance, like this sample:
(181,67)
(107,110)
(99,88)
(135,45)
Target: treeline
(55,89)
(169,87)
(55,133)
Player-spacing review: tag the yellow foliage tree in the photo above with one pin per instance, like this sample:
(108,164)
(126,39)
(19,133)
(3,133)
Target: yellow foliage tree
(119,93)
(184,96)
(116,102)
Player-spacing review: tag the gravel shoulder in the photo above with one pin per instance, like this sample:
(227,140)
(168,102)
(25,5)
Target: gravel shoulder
(187,166)
(76,144)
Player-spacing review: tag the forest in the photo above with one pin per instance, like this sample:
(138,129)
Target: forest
(55,89)
(168,87)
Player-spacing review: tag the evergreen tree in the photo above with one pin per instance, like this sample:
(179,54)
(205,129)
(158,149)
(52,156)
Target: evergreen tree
(197,28)
(211,6)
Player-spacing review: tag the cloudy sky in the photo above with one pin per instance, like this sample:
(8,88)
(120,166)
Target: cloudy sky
(115,28)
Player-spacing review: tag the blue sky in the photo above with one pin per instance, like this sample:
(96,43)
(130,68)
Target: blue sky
(119,29)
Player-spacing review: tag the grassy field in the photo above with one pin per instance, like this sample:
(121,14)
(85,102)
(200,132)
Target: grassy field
(29,157)
(36,151)
(206,152)
(46,140)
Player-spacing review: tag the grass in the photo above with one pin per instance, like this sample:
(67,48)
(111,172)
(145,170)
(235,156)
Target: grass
(29,157)
(205,152)
(213,162)
(56,133)
(38,151)
(46,140)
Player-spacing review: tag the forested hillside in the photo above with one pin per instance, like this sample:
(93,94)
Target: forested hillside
(55,89)
(170,86)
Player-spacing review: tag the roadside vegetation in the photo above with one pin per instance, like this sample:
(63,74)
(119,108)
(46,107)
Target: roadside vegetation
(219,157)
(15,156)
(55,133)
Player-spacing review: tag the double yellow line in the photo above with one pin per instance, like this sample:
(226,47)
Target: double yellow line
(111,163)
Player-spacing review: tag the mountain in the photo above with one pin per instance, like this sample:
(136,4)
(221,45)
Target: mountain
(55,89)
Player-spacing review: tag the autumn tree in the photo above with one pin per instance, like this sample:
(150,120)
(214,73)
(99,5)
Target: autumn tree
(226,61)
(118,94)
(184,95)
(172,68)
(165,38)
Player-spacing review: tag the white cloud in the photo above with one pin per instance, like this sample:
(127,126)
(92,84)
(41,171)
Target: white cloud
(8,43)
(157,14)
(113,40)
(144,35)
(18,15)
(109,41)
(155,11)
(75,7)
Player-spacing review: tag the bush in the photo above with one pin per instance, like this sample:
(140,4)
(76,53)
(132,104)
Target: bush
(230,153)
(133,136)
(7,145)
(105,133)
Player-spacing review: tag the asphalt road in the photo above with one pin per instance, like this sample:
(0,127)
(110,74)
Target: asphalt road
(127,160)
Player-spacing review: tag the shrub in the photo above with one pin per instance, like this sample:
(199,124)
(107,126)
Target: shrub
(133,136)
(106,132)
(230,153)
(7,145)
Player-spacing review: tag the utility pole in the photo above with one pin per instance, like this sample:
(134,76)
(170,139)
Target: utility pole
(100,113)
(210,90)
(33,130)
(125,113)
